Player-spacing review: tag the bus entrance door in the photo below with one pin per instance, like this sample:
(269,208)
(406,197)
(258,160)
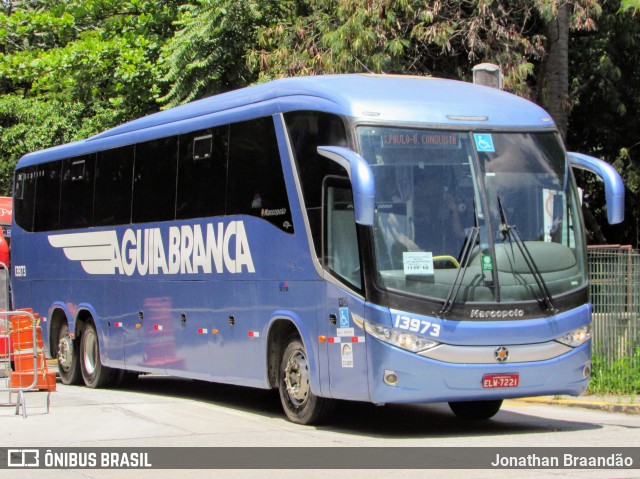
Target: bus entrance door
(346,351)
(346,348)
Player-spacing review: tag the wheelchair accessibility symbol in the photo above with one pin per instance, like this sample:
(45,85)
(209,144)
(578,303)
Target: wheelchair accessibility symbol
(344,317)
(484,142)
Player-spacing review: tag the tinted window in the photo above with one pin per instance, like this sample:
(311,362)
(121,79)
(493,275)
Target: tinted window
(256,183)
(76,203)
(47,205)
(114,168)
(202,173)
(154,183)
(24,195)
(307,131)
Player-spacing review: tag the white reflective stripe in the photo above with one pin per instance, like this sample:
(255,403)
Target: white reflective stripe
(345,339)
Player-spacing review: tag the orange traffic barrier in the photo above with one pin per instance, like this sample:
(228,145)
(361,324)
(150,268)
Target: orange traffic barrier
(26,356)
(46,380)
(4,340)
(22,332)
(24,361)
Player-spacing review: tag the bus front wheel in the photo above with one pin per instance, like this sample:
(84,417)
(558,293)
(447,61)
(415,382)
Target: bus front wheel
(94,374)
(300,405)
(476,410)
(67,356)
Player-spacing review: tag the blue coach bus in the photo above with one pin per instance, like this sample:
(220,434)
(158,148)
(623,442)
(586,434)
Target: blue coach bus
(363,237)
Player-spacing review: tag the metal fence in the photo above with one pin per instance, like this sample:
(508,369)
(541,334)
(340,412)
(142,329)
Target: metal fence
(614,273)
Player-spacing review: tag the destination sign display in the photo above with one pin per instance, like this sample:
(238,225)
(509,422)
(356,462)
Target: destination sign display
(408,138)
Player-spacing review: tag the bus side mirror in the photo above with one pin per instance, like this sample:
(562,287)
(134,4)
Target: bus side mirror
(613,185)
(361,177)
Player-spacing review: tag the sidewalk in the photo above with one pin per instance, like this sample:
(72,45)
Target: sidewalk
(621,404)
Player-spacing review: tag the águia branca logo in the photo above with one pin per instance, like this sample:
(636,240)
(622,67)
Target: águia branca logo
(186,249)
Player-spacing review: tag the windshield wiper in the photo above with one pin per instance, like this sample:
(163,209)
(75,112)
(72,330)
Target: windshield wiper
(470,241)
(511,233)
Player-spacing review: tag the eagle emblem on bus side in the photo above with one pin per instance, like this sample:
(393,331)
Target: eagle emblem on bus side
(95,250)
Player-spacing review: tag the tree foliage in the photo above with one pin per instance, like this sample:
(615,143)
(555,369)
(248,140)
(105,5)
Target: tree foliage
(207,54)
(605,99)
(71,68)
(444,38)
(78,67)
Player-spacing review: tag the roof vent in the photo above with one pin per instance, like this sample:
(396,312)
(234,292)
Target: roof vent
(487,74)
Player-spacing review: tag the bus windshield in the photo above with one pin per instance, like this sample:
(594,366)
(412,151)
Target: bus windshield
(491,216)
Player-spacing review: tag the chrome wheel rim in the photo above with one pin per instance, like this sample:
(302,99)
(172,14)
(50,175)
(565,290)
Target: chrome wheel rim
(296,378)
(90,352)
(65,352)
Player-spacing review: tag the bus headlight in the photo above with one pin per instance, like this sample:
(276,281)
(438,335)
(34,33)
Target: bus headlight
(576,337)
(399,338)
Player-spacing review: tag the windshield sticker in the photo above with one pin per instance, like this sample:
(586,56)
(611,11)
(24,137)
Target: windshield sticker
(417,263)
(487,264)
(552,207)
(484,142)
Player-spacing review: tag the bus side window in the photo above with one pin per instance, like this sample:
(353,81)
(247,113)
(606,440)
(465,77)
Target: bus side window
(154,180)
(202,173)
(47,204)
(76,202)
(112,201)
(24,197)
(307,131)
(256,183)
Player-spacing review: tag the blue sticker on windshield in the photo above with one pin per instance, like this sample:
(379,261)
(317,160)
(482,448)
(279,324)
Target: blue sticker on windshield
(484,142)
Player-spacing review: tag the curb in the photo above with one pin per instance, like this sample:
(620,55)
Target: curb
(586,404)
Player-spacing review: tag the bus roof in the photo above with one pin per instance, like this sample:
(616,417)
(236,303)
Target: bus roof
(368,97)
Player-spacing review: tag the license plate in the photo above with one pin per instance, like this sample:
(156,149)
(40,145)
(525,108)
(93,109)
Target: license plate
(509,380)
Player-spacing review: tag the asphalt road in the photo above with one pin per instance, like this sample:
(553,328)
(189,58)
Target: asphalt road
(168,412)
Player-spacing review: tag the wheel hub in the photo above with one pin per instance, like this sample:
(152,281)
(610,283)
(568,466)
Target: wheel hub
(296,378)
(65,351)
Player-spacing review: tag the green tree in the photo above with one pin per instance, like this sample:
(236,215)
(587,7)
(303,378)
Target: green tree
(443,39)
(208,53)
(78,66)
(400,36)
(605,97)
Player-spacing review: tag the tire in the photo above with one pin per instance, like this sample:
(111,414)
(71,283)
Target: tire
(94,374)
(476,410)
(67,357)
(300,404)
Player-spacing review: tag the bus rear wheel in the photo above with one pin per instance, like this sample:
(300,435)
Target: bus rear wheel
(67,356)
(476,410)
(94,374)
(300,405)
